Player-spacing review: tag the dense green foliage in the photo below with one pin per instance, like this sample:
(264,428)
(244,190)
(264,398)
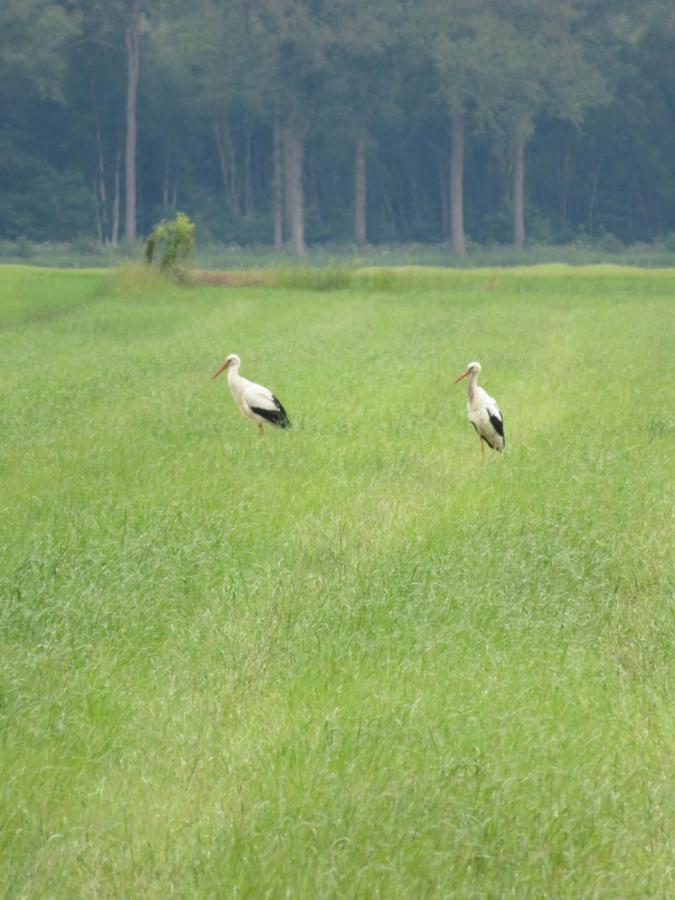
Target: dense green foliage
(587,84)
(170,243)
(347,660)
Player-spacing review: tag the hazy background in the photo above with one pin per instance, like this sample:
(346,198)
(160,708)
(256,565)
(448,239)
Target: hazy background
(307,121)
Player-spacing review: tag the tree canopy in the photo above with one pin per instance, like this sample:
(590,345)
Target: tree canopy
(390,120)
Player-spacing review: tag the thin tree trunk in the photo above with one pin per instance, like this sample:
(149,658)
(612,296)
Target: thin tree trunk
(165,183)
(564,182)
(233,172)
(457,184)
(99,178)
(221,155)
(115,231)
(133,59)
(518,190)
(277,189)
(298,204)
(248,181)
(228,161)
(594,194)
(416,215)
(360,192)
(310,181)
(443,187)
(294,193)
(389,209)
(97,212)
(287,178)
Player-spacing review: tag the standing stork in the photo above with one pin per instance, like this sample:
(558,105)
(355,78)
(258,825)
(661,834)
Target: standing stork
(254,400)
(484,414)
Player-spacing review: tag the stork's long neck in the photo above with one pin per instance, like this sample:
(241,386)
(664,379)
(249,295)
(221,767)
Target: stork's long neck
(473,381)
(234,378)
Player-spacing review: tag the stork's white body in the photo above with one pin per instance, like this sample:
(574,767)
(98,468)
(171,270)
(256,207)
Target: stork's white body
(249,396)
(484,413)
(255,401)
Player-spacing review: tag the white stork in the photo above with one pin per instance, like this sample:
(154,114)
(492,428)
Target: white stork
(484,414)
(254,400)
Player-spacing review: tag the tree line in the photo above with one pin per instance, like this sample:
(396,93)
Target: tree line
(289,121)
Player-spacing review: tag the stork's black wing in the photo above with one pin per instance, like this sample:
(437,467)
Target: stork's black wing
(276,416)
(497,423)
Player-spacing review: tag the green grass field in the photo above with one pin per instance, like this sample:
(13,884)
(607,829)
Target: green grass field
(348,660)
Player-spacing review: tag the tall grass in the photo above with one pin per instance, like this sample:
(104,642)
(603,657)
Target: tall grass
(348,660)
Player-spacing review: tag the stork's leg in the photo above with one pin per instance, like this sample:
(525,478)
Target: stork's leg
(482,448)
(260,429)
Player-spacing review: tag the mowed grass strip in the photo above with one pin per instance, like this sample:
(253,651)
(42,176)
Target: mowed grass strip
(348,660)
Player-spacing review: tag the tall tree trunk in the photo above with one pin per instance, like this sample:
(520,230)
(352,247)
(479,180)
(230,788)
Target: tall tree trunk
(287,178)
(277,188)
(444,194)
(457,184)
(248,178)
(591,204)
(132,48)
(97,212)
(115,230)
(360,192)
(165,183)
(564,182)
(310,183)
(294,193)
(519,189)
(416,215)
(228,161)
(99,178)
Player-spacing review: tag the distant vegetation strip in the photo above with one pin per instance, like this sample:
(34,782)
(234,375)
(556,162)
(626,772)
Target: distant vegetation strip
(232,257)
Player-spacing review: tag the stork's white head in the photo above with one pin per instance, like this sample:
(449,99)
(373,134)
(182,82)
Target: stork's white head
(232,360)
(472,369)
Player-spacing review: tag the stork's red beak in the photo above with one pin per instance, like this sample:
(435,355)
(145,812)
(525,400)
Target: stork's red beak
(221,369)
(459,377)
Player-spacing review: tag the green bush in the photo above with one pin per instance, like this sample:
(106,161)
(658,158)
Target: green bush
(170,242)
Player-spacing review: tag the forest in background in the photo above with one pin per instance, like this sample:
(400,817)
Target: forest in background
(288,122)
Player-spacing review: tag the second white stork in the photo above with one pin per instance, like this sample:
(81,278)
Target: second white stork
(484,414)
(255,401)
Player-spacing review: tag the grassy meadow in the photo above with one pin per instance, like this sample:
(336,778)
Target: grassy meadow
(348,660)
